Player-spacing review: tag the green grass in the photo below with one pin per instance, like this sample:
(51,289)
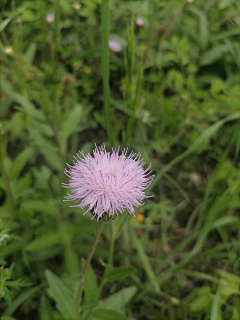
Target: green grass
(177,102)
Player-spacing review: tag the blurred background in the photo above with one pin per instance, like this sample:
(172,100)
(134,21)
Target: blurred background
(175,97)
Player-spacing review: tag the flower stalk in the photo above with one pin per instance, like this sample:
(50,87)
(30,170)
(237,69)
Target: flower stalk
(88,260)
(110,258)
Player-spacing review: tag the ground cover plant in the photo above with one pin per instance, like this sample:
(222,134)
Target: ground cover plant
(174,97)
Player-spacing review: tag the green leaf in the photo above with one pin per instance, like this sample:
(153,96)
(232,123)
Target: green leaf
(20,299)
(46,312)
(214,54)
(69,126)
(118,224)
(30,53)
(225,220)
(62,295)
(90,287)
(119,273)
(4,24)
(41,206)
(28,107)
(20,162)
(145,262)
(207,134)
(45,241)
(216,306)
(118,300)
(7,318)
(105,314)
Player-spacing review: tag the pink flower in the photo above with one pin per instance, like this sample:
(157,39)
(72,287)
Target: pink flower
(140,21)
(108,183)
(114,45)
(50,17)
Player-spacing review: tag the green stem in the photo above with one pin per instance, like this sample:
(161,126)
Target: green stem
(110,259)
(105,66)
(89,258)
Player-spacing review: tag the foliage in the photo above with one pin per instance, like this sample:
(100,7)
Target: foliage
(175,97)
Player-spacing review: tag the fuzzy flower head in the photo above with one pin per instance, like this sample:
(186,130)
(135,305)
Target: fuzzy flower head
(114,45)
(108,183)
(50,17)
(140,21)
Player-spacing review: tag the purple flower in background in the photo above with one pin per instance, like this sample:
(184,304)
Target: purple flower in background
(140,21)
(114,45)
(50,16)
(108,183)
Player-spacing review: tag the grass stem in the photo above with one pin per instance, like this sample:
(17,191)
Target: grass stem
(105,67)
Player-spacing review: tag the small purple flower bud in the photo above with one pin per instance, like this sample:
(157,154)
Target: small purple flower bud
(50,17)
(114,45)
(140,21)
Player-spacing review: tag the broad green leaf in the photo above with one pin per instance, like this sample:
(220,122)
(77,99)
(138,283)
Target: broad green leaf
(145,262)
(62,295)
(45,241)
(118,300)
(46,312)
(20,162)
(90,287)
(119,273)
(7,318)
(214,54)
(105,314)
(69,125)
(230,277)
(20,299)
(30,53)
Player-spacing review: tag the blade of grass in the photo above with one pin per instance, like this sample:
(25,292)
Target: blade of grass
(105,67)
(145,262)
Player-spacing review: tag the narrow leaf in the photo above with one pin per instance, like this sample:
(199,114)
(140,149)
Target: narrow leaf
(45,241)
(119,273)
(46,312)
(144,259)
(105,314)
(62,295)
(118,300)
(90,287)
(20,299)
(216,306)
(69,125)
(20,162)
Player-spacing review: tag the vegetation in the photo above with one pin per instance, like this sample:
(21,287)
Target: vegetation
(175,97)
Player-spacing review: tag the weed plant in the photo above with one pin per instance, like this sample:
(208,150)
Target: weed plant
(175,97)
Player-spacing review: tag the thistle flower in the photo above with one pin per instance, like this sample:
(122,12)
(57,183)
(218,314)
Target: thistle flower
(114,45)
(140,21)
(108,183)
(50,17)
